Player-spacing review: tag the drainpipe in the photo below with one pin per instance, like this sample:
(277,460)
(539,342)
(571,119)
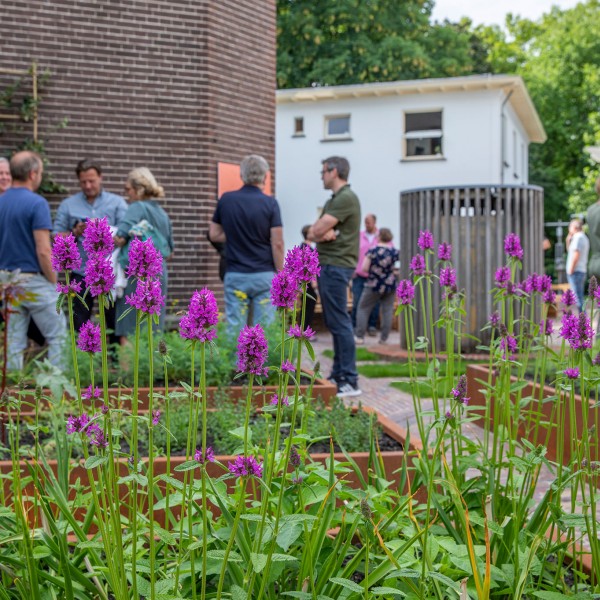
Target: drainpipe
(502,136)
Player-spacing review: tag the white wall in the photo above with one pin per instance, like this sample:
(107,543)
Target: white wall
(471,145)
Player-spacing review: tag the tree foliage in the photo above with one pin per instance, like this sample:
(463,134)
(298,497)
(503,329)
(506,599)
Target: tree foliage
(360,41)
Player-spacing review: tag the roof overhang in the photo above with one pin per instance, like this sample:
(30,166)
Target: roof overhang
(519,99)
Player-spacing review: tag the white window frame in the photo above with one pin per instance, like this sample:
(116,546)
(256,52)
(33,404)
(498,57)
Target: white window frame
(422,133)
(336,136)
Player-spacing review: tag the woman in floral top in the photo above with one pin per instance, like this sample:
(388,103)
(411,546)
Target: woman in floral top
(380,286)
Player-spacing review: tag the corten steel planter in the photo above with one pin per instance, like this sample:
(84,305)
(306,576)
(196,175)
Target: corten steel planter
(392,461)
(546,433)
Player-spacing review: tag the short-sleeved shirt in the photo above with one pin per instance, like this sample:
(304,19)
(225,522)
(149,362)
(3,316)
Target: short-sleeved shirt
(579,242)
(343,251)
(247,216)
(77,208)
(381,272)
(21,213)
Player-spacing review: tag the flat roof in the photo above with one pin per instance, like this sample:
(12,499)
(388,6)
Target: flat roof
(519,99)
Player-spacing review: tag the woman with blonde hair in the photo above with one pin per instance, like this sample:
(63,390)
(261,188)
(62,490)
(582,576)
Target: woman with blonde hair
(144,218)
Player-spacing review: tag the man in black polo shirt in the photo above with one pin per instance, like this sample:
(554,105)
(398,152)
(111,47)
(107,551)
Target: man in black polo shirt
(250,222)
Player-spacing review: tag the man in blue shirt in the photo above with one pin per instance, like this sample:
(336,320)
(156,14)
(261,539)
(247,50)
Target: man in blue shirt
(25,226)
(250,222)
(92,202)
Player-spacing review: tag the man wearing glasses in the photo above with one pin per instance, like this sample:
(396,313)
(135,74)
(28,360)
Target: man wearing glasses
(337,236)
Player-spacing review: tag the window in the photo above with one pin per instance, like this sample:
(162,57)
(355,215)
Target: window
(423,134)
(337,127)
(298,126)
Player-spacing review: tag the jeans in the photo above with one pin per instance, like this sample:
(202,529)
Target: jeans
(245,291)
(358,285)
(368,300)
(576,282)
(333,290)
(39,305)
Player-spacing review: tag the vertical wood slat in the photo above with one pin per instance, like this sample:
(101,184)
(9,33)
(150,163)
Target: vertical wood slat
(477,237)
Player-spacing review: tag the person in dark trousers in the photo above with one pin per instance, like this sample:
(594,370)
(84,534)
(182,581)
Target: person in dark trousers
(311,291)
(336,233)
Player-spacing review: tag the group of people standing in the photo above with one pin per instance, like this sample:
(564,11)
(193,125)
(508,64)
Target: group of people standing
(247,221)
(26,228)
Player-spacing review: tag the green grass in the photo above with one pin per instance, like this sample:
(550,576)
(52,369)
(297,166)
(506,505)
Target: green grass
(394,370)
(361,354)
(424,387)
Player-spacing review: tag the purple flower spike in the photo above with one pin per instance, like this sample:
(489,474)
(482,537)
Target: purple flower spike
(568,298)
(549,296)
(275,400)
(144,259)
(147,297)
(494,319)
(284,289)
(287,367)
(65,255)
(512,246)
(417,264)
(460,391)
(303,263)
(572,373)
(405,292)
(97,238)
(577,330)
(99,275)
(208,457)
(90,393)
(252,351)
(244,466)
(509,346)
(202,316)
(96,436)
(74,287)
(547,327)
(596,360)
(155,417)
(77,424)
(296,332)
(89,338)
(425,241)
(502,276)
(447,277)
(445,251)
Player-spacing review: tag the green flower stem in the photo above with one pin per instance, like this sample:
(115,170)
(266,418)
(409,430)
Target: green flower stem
(232,536)
(191,436)
(112,484)
(204,399)
(152,541)
(168,457)
(247,415)
(74,347)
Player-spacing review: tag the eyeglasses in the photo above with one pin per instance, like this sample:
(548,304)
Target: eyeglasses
(326,171)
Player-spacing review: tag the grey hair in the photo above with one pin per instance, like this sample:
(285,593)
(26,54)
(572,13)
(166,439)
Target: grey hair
(340,163)
(22,163)
(253,169)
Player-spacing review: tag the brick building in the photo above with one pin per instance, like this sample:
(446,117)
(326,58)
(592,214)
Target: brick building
(175,86)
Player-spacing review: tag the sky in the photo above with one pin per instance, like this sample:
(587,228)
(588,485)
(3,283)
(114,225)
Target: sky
(492,12)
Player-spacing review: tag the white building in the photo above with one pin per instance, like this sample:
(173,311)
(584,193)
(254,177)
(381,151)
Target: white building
(398,136)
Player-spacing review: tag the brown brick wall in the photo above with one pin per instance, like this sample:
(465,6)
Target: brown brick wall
(174,86)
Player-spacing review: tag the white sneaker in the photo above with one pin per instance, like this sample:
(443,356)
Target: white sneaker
(347,390)
(359,341)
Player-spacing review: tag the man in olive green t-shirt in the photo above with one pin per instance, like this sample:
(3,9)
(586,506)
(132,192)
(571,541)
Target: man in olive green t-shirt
(337,236)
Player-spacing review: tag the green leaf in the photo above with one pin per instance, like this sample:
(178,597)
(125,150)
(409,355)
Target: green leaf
(259,561)
(41,552)
(220,555)
(238,593)
(348,584)
(283,558)
(188,465)
(384,591)
(95,461)
(288,534)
